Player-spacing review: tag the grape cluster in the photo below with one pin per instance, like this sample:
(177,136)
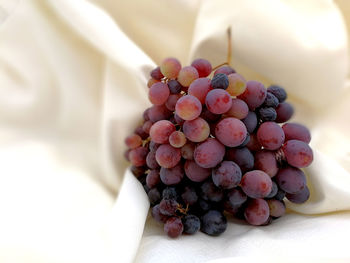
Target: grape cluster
(212,147)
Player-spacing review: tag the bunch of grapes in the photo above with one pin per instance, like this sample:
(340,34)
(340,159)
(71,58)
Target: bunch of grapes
(213,147)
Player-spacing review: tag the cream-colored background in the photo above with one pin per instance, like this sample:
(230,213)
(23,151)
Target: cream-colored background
(72,86)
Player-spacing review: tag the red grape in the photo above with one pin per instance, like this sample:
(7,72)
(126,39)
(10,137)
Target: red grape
(168,156)
(300,197)
(227,175)
(257,212)
(177,139)
(270,135)
(241,156)
(133,141)
(171,176)
(158,112)
(138,155)
(276,207)
(196,130)
(203,67)
(239,109)
(231,132)
(218,101)
(161,130)
(284,112)
(173,227)
(196,173)
(209,153)
(158,93)
(153,178)
(298,153)
(188,107)
(200,88)
(254,95)
(151,160)
(266,161)
(227,70)
(170,68)
(172,100)
(296,131)
(187,151)
(256,184)
(237,84)
(187,75)
(291,179)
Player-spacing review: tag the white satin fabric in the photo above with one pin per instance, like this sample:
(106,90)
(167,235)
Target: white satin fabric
(73,84)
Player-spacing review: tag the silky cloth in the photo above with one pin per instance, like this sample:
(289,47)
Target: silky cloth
(73,80)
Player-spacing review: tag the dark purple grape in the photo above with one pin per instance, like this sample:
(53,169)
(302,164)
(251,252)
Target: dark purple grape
(140,132)
(274,190)
(171,101)
(276,207)
(157,215)
(251,121)
(219,81)
(203,67)
(204,205)
(298,153)
(178,119)
(196,173)
(138,170)
(173,227)
(210,192)
(174,86)
(171,176)
(253,144)
(268,221)
(170,193)
(280,195)
(153,178)
(241,156)
(256,184)
(154,196)
(257,212)
(270,135)
(158,112)
(254,95)
(291,180)
(246,141)
(213,223)
(191,224)
(284,111)
(156,74)
(189,195)
(153,146)
(227,70)
(209,153)
(300,197)
(235,198)
(151,160)
(209,116)
(266,161)
(271,100)
(168,207)
(267,114)
(278,92)
(296,131)
(226,175)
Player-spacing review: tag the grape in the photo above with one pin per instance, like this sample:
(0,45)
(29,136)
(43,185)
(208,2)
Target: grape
(158,112)
(156,74)
(157,215)
(231,132)
(254,94)
(188,107)
(168,156)
(172,100)
(170,68)
(209,116)
(213,223)
(218,101)
(267,114)
(219,81)
(140,132)
(153,196)
(161,130)
(266,161)
(278,92)
(251,121)
(246,141)
(170,193)
(280,195)
(298,153)
(276,207)
(146,127)
(235,199)
(270,100)
(151,160)
(145,115)
(284,112)
(196,130)
(191,224)
(210,192)
(227,70)
(173,227)
(257,212)
(200,88)
(171,176)
(133,141)
(174,86)
(300,197)
(241,156)
(203,67)
(204,205)
(239,109)
(158,93)
(178,119)
(209,153)
(270,135)
(138,171)
(187,151)
(291,180)
(227,175)
(153,178)
(274,190)
(152,81)
(138,156)
(153,146)
(177,139)
(196,173)
(253,144)
(237,84)
(189,196)
(187,75)
(296,131)
(168,207)
(256,184)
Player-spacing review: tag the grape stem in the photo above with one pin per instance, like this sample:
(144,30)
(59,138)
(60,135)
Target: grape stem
(229,50)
